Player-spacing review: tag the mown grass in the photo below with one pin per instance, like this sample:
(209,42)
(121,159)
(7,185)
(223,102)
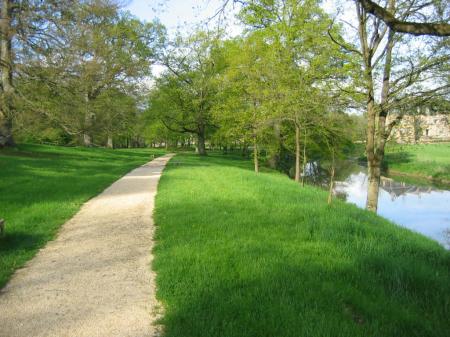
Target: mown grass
(427,160)
(240,254)
(43,186)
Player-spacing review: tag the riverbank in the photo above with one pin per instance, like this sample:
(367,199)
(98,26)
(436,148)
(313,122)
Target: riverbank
(43,186)
(243,254)
(423,161)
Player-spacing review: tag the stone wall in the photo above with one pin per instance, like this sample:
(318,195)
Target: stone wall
(421,129)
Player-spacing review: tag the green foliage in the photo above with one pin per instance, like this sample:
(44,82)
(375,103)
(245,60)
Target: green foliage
(184,94)
(88,82)
(45,185)
(240,254)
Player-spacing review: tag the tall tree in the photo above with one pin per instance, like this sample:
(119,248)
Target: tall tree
(397,73)
(23,27)
(102,51)
(189,85)
(6,66)
(243,106)
(304,61)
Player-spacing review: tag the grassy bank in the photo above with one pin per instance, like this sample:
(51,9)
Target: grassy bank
(240,254)
(43,186)
(431,161)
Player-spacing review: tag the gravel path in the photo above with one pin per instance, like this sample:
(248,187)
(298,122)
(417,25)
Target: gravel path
(95,278)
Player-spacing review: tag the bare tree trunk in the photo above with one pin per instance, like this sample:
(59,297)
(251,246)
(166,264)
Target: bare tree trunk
(87,139)
(6,138)
(371,143)
(374,163)
(255,154)
(330,192)
(372,191)
(6,67)
(297,153)
(201,147)
(110,142)
(374,173)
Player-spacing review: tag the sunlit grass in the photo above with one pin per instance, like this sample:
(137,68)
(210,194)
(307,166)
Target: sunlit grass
(43,186)
(240,254)
(429,160)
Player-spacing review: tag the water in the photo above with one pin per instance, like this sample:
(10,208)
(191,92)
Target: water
(422,209)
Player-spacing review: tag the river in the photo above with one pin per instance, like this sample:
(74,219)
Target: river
(424,209)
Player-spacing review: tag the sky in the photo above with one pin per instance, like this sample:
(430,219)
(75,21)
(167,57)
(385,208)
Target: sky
(184,15)
(178,15)
(175,14)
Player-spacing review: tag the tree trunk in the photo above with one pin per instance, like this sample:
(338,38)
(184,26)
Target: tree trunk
(201,143)
(376,128)
(304,160)
(87,138)
(6,138)
(374,173)
(297,153)
(274,159)
(6,67)
(255,154)
(110,142)
(330,192)
(380,134)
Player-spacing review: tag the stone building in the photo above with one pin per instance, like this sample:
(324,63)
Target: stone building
(421,129)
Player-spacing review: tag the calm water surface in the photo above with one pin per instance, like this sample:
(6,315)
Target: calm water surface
(422,209)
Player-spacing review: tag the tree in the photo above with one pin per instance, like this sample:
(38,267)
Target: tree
(243,107)
(185,93)
(24,26)
(302,64)
(6,64)
(103,53)
(410,27)
(404,81)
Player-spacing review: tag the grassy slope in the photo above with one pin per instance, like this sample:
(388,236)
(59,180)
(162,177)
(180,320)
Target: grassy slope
(43,186)
(242,255)
(430,160)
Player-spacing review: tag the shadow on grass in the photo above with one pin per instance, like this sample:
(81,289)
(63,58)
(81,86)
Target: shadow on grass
(239,254)
(214,159)
(397,158)
(15,249)
(11,241)
(246,267)
(43,186)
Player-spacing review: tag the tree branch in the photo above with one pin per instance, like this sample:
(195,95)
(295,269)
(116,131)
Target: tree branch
(408,27)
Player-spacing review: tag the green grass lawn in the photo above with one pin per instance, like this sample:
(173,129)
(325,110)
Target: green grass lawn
(43,186)
(240,254)
(428,160)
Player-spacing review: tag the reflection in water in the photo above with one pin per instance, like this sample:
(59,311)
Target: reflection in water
(422,209)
